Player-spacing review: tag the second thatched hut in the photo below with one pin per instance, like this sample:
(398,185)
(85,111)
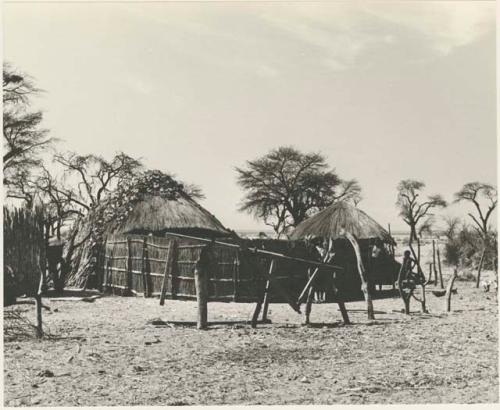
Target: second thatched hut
(375,243)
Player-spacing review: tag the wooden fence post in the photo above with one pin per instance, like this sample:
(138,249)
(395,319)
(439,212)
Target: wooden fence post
(480,267)
(129,266)
(201,284)
(143,268)
(430,274)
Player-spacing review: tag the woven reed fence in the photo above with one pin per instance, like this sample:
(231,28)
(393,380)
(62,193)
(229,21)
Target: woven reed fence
(142,265)
(24,249)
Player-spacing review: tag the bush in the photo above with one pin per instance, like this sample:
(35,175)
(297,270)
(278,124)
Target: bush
(464,247)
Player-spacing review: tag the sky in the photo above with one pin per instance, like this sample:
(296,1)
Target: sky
(384,90)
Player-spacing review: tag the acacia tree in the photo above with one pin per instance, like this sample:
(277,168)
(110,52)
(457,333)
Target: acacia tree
(286,186)
(411,208)
(475,193)
(24,140)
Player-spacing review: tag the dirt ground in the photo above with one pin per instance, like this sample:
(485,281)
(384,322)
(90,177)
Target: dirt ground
(110,352)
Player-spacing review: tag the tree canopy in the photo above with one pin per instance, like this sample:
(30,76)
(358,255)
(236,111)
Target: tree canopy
(286,186)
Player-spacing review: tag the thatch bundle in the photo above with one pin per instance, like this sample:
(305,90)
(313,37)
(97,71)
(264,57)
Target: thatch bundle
(338,218)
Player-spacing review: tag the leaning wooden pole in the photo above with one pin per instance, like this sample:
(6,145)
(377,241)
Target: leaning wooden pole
(38,305)
(434,270)
(267,292)
(362,275)
(480,267)
(440,270)
(449,289)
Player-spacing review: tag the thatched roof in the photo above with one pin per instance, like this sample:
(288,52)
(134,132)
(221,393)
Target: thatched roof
(339,217)
(157,214)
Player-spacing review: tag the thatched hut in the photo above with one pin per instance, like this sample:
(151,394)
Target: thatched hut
(376,244)
(157,215)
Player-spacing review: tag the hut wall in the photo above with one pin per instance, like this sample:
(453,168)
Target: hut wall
(234,275)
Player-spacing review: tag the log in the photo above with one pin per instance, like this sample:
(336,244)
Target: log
(440,271)
(201,285)
(449,290)
(362,275)
(480,267)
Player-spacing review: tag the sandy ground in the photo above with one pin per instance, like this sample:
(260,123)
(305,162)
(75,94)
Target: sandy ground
(109,353)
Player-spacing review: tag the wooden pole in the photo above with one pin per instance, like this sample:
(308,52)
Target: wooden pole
(401,276)
(480,267)
(201,284)
(167,270)
(430,273)
(440,271)
(143,267)
(267,290)
(434,261)
(448,290)
(310,297)
(362,275)
(129,266)
(38,305)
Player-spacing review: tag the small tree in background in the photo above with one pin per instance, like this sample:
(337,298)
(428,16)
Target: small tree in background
(286,186)
(475,193)
(411,208)
(484,197)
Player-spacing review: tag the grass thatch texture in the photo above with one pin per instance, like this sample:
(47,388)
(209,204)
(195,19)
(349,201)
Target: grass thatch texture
(337,218)
(155,213)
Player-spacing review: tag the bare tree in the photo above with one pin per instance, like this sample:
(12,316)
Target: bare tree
(92,177)
(411,208)
(286,186)
(475,193)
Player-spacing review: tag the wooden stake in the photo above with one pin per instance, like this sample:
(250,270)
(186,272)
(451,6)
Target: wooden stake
(167,270)
(430,273)
(480,267)
(267,290)
(440,271)
(362,275)
(401,276)
(143,267)
(201,285)
(434,261)
(38,305)
(129,266)
(448,290)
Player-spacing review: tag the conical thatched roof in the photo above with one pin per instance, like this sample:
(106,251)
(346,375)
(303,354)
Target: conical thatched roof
(339,217)
(154,213)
